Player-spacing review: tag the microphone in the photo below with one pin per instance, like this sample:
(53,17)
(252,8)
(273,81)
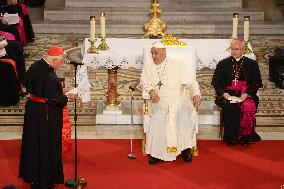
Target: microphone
(74,63)
(131,88)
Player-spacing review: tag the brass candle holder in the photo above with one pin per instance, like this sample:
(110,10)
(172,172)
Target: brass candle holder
(103,46)
(155,27)
(93,48)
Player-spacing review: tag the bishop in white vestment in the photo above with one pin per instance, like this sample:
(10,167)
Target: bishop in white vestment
(174,99)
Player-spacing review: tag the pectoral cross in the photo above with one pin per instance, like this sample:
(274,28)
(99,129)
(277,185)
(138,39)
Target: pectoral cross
(160,84)
(235,80)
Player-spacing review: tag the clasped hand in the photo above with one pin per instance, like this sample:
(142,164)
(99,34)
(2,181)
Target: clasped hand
(154,96)
(196,101)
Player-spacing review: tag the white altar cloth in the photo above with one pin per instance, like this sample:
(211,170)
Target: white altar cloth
(125,53)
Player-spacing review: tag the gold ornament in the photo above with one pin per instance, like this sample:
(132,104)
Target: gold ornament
(155,28)
(170,40)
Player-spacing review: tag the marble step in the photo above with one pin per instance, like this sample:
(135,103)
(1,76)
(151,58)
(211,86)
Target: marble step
(147,3)
(224,28)
(126,15)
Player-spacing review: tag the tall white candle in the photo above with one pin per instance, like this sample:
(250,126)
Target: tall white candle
(103,24)
(235,25)
(92,28)
(246,28)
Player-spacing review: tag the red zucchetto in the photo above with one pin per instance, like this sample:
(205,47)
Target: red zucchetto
(55,51)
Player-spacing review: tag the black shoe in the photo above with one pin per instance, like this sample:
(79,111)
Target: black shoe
(254,137)
(244,140)
(153,160)
(186,155)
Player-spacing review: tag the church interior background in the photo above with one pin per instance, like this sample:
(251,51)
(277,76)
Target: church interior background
(66,23)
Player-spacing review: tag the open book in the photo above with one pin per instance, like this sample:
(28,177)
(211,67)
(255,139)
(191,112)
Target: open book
(234,99)
(11,18)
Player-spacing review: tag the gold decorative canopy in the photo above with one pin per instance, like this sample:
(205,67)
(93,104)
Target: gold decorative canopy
(155,28)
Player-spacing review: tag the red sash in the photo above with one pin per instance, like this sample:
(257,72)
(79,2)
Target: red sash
(36,99)
(39,100)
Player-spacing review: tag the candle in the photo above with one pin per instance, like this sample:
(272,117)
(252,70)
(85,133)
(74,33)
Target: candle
(235,25)
(246,28)
(93,28)
(103,24)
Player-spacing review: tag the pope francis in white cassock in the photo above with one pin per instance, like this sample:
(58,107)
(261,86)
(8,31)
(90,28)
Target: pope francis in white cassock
(174,99)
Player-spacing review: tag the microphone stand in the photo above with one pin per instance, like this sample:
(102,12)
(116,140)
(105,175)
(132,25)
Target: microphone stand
(131,154)
(75,182)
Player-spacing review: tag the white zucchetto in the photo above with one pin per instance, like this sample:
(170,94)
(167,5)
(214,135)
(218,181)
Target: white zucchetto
(158,45)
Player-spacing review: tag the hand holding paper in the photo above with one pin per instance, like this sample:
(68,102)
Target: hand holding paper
(11,18)
(234,99)
(71,94)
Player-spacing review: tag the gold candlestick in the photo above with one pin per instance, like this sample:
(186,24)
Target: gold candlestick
(93,48)
(103,46)
(155,28)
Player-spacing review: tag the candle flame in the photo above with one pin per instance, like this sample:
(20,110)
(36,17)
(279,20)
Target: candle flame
(246,18)
(235,15)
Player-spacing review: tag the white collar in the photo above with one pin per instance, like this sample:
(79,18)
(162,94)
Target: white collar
(239,58)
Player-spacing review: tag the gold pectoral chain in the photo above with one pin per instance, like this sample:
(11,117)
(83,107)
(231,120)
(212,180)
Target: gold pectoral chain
(236,70)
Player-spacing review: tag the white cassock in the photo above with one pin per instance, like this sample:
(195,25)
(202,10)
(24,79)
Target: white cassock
(173,120)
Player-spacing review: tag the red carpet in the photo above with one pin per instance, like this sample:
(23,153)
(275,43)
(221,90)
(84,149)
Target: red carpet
(104,164)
